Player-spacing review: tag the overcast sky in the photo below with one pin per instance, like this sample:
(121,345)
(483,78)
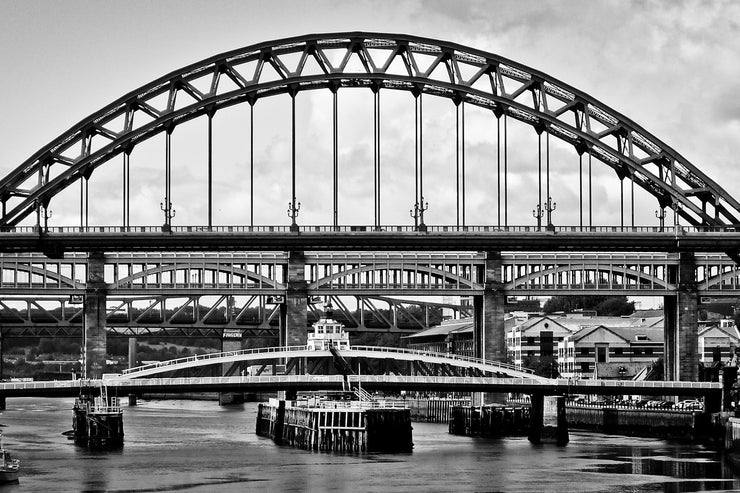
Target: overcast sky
(671,66)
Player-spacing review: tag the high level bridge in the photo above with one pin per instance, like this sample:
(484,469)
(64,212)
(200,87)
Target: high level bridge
(468,222)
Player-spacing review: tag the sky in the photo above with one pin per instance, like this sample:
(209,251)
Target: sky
(671,66)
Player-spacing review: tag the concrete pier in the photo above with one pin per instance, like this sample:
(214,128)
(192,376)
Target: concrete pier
(548,419)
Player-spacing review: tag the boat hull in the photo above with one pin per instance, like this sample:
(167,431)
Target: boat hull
(8,477)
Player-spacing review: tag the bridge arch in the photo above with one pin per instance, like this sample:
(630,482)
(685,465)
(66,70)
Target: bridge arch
(234,275)
(375,61)
(589,276)
(378,352)
(436,277)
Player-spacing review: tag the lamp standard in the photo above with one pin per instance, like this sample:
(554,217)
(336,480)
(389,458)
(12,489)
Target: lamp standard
(538,213)
(418,214)
(293,209)
(549,207)
(169,213)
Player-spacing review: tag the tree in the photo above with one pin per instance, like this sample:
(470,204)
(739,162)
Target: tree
(603,305)
(544,366)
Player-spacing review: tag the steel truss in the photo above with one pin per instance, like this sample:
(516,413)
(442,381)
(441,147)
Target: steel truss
(200,295)
(207,316)
(363,274)
(375,61)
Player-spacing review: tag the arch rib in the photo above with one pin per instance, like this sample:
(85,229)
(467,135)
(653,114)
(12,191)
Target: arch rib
(494,82)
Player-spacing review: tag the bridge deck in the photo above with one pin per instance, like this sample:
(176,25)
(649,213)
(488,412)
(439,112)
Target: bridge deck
(436,239)
(369,382)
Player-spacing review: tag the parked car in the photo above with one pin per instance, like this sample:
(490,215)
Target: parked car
(690,405)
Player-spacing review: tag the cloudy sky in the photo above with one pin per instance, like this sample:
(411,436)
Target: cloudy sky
(671,66)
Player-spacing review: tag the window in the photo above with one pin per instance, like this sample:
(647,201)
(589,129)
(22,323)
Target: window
(637,352)
(584,351)
(618,350)
(649,350)
(585,367)
(530,340)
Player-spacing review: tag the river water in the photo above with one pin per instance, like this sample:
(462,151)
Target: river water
(198,446)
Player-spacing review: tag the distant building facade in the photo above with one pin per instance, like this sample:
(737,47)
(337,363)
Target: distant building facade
(535,338)
(609,352)
(718,342)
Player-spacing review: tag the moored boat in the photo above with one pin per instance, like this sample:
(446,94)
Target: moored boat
(9,467)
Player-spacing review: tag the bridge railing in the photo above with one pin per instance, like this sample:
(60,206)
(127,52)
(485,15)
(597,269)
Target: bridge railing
(457,357)
(278,349)
(210,356)
(372,229)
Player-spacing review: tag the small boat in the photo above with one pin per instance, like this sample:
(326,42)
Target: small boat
(9,467)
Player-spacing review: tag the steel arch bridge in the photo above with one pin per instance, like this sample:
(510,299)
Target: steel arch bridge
(376,61)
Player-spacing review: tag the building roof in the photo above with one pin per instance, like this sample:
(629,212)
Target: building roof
(628,334)
(446,328)
(576,324)
(731,332)
(536,320)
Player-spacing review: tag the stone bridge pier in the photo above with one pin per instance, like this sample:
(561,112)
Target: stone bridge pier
(681,324)
(489,332)
(94,337)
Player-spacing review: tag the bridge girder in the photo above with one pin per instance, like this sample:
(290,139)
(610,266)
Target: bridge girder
(389,61)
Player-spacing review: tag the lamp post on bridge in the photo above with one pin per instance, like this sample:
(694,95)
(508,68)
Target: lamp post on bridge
(549,207)
(676,206)
(418,214)
(538,213)
(293,209)
(169,213)
(660,214)
(47,214)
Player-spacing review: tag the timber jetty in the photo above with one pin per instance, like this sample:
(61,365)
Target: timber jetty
(97,420)
(336,425)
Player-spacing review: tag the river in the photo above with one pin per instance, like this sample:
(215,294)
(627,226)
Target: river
(197,446)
